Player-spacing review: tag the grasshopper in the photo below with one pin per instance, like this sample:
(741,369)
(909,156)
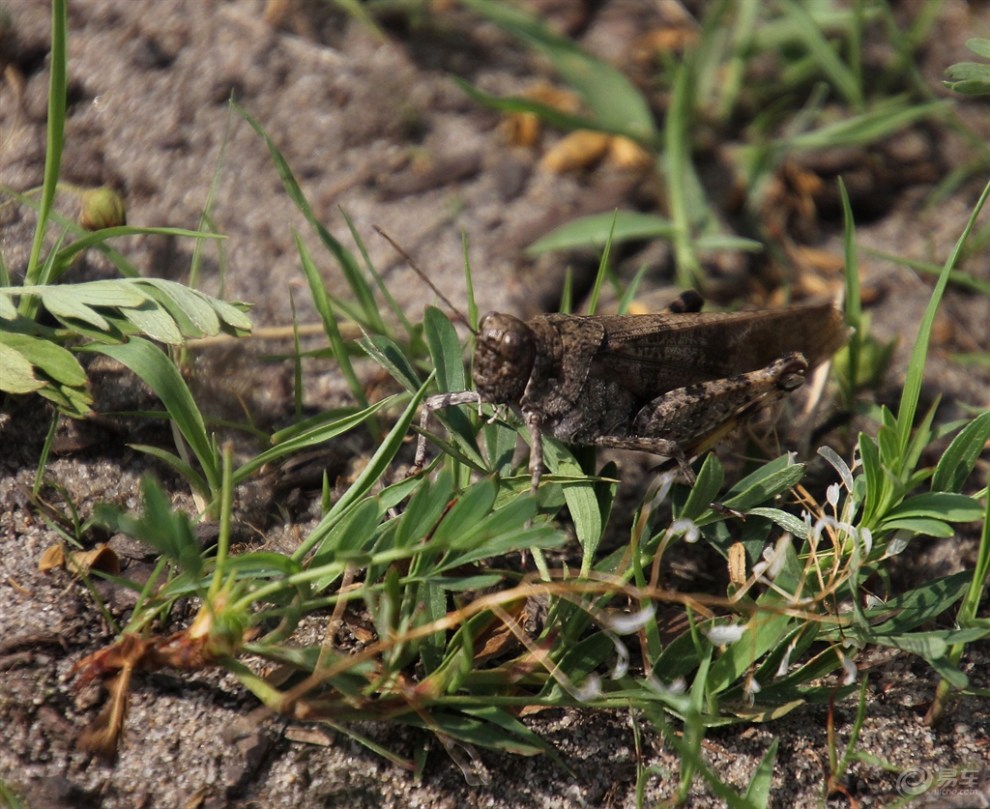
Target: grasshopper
(671,383)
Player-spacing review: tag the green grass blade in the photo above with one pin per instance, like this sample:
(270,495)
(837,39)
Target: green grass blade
(347,262)
(823,52)
(329,319)
(594,231)
(161,375)
(919,355)
(614,100)
(369,476)
(57,91)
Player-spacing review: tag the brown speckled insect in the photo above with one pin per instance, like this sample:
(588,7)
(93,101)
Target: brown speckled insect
(671,383)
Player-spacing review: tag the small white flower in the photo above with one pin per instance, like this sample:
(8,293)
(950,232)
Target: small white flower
(725,634)
(621,666)
(688,528)
(589,689)
(832,495)
(627,623)
(850,669)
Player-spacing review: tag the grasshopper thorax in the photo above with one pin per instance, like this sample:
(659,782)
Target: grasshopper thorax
(503,358)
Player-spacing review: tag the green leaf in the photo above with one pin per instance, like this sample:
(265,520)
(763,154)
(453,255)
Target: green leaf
(354,532)
(347,262)
(202,313)
(16,371)
(615,102)
(163,310)
(45,355)
(765,483)
(758,791)
(919,525)
(790,523)
(291,442)
(445,351)
(938,505)
(582,502)
(386,352)
(882,120)
(920,605)
(472,731)
(979,46)
(465,520)
(594,230)
(168,531)
(424,509)
(705,490)
(161,375)
(370,475)
(961,455)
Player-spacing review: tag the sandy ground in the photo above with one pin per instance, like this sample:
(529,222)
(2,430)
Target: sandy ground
(379,129)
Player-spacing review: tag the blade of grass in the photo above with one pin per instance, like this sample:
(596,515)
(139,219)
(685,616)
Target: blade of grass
(919,355)
(329,319)
(347,263)
(57,89)
(374,470)
(161,375)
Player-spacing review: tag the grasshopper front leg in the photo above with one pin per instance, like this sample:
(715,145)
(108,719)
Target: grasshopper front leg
(685,422)
(438,402)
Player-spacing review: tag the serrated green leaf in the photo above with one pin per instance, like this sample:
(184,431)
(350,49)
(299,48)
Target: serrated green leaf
(155,323)
(45,355)
(16,372)
(200,309)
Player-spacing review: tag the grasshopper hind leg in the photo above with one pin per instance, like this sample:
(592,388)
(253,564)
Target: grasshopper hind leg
(685,422)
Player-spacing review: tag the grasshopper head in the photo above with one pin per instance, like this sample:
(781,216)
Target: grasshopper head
(503,358)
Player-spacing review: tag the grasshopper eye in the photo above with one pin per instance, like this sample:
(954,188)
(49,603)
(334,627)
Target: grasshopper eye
(511,345)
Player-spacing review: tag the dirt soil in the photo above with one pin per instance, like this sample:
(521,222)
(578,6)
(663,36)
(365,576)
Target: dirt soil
(380,129)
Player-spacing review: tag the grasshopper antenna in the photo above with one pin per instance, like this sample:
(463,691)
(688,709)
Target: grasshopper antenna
(409,260)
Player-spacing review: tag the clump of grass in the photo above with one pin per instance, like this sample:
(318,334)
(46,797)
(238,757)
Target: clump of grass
(464,640)
(454,649)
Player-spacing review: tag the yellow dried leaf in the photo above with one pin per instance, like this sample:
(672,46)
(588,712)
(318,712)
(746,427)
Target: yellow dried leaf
(737,563)
(577,150)
(524,128)
(101,558)
(53,557)
(628,154)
